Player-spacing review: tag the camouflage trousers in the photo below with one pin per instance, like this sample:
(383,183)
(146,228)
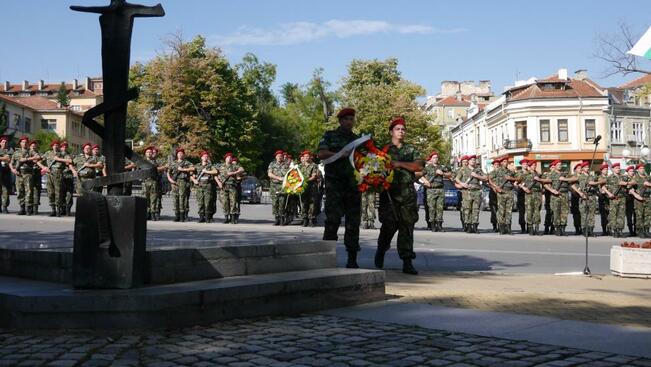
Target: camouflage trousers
(277,200)
(532,203)
(204,195)
(54,189)
(150,193)
(230,205)
(68,189)
(342,201)
(80,187)
(368,206)
(587,208)
(181,197)
(435,203)
(617,213)
(308,209)
(560,207)
(398,213)
(471,200)
(24,189)
(5,188)
(504,207)
(643,213)
(36,190)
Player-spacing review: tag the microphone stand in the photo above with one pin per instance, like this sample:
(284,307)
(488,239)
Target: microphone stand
(586,270)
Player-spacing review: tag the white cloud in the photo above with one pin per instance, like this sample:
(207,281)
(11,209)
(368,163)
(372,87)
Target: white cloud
(303,32)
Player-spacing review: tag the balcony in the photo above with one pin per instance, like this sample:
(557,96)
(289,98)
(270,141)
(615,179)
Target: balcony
(519,144)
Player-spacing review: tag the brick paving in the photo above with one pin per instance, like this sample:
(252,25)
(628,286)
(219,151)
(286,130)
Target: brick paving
(600,299)
(310,340)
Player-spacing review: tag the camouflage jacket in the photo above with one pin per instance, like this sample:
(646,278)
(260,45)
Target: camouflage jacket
(277,169)
(464,175)
(407,153)
(51,163)
(434,178)
(224,169)
(174,170)
(528,179)
(85,172)
(204,177)
(4,166)
(308,170)
(612,184)
(24,167)
(340,170)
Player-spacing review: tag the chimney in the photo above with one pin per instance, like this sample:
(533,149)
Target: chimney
(459,95)
(25,84)
(87,86)
(75,84)
(581,74)
(7,85)
(41,84)
(562,74)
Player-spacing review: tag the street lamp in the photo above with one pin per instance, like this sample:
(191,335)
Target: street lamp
(626,152)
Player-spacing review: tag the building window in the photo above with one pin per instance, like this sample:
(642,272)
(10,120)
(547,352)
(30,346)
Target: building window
(50,125)
(451,113)
(544,131)
(563,135)
(75,108)
(638,131)
(17,123)
(520,130)
(616,131)
(28,125)
(590,130)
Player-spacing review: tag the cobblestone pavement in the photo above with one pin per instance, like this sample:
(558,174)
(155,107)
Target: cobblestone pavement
(600,299)
(311,340)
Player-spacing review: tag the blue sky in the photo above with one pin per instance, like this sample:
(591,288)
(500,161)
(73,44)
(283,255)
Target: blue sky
(434,40)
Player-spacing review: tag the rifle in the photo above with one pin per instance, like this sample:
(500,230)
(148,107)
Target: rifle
(203,170)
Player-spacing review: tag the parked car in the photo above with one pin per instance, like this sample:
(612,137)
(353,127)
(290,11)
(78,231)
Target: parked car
(452,196)
(252,190)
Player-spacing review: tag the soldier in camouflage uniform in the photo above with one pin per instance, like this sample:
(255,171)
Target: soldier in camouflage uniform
(309,171)
(368,209)
(533,195)
(615,189)
(290,211)
(343,198)
(630,203)
(226,180)
(100,171)
(604,203)
(56,163)
(150,187)
(503,185)
(470,179)
(85,167)
(22,165)
(162,168)
(432,179)
(640,194)
(276,172)
(399,205)
(37,187)
(67,180)
(558,185)
(575,199)
(492,194)
(178,174)
(586,188)
(203,178)
(5,173)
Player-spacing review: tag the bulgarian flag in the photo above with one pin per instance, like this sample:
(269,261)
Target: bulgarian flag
(643,46)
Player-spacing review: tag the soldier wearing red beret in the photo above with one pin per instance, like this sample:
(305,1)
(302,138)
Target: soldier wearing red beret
(178,174)
(276,172)
(615,189)
(558,184)
(308,197)
(433,178)
(343,197)
(5,173)
(22,165)
(227,182)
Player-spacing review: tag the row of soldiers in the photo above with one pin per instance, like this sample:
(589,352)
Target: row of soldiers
(285,206)
(617,195)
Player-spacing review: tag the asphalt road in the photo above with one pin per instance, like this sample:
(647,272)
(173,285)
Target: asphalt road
(450,251)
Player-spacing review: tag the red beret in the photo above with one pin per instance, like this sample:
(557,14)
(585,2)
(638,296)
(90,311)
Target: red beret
(604,165)
(278,152)
(54,142)
(86,145)
(346,112)
(229,154)
(463,158)
(434,153)
(4,138)
(289,156)
(397,121)
(235,159)
(616,165)
(203,152)
(531,162)
(33,142)
(95,146)
(179,149)
(524,161)
(497,160)
(630,168)
(585,164)
(555,162)
(306,152)
(640,165)
(23,138)
(64,144)
(149,148)
(578,165)
(474,157)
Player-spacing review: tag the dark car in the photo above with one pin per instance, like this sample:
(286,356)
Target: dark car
(252,190)
(452,197)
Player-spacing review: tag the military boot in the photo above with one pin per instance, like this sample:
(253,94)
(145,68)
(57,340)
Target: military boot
(22,210)
(149,216)
(313,223)
(184,217)
(475,229)
(508,229)
(236,218)
(5,210)
(202,219)
(61,211)
(177,217)
(35,210)
(155,217)
(546,231)
(53,213)
(30,210)
(277,222)
(227,219)
(379,258)
(408,267)
(68,210)
(351,263)
(522,229)
(434,227)
(371,225)
(305,222)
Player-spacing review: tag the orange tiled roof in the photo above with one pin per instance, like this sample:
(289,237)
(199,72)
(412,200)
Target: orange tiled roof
(33,102)
(573,88)
(49,88)
(453,101)
(643,80)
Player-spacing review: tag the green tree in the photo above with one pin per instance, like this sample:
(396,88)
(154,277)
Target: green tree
(378,92)
(45,138)
(62,96)
(4,124)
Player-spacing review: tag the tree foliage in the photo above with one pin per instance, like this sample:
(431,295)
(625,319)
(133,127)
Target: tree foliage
(62,96)
(4,124)
(45,138)
(377,91)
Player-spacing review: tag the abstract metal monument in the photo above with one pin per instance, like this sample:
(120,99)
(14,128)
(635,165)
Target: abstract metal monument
(110,232)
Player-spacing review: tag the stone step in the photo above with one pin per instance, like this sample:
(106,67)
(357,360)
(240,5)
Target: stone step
(184,261)
(30,304)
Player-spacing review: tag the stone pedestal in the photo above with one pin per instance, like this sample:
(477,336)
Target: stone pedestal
(630,262)
(109,242)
